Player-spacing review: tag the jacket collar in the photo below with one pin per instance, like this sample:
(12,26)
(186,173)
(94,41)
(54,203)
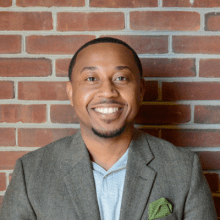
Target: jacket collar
(138,181)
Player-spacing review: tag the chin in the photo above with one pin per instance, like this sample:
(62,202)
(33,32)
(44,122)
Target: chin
(109,134)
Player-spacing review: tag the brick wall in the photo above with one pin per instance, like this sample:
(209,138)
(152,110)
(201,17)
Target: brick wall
(178,42)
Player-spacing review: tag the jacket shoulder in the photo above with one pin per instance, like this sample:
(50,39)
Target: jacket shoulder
(55,147)
(167,151)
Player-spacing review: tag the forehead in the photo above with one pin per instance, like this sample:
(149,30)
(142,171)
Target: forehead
(108,52)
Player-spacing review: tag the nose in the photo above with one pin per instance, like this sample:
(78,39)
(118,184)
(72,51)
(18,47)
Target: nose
(108,89)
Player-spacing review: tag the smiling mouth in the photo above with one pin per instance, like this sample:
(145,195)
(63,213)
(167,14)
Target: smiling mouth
(106,110)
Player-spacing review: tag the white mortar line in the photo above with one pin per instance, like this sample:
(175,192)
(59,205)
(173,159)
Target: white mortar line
(23,45)
(87,8)
(33,102)
(192,113)
(127,20)
(147,55)
(111,32)
(87,4)
(53,64)
(15,90)
(77,126)
(48,114)
(54,17)
(182,126)
(160,4)
(40,125)
(16,137)
(197,67)
(203,149)
(202,21)
(51,102)
(8,149)
(13,3)
(159,102)
(7,179)
(183,79)
(170,46)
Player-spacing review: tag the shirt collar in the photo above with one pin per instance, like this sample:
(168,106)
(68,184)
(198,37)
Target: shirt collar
(120,164)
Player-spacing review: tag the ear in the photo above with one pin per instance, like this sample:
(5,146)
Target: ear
(69,91)
(142,88)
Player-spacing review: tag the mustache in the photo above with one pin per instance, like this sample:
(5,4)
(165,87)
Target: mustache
(110,101)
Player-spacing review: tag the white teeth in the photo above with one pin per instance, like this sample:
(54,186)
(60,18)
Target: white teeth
(106,110)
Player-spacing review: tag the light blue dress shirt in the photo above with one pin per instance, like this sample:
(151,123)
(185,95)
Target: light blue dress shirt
(109,188)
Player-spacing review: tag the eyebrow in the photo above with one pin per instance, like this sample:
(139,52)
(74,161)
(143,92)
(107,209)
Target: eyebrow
(95,68)
(122,67)
(89,68)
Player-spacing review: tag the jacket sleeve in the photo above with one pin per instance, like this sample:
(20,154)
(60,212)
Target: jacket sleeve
(16,204)
(199,203)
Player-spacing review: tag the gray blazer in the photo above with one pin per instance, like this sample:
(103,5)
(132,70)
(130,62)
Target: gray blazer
(56,183)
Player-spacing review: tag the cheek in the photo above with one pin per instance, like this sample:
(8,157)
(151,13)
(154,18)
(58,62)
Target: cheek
(81,99)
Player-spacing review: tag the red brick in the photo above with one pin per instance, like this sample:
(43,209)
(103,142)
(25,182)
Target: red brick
(210,160)
(25,67)
(7,137)
(163,67)
(207,114)
(8,159)
(163,114)
(123,4)
(165,20)
(146,44)
(209,67)
(151,91)
(212,22)
(23,113)
(173,91)
(217,204)
(42,91)
(7,3)
(63,114)
(56,44)
(154,132)
(6,90)
(192,138)
(62,66)
(2,181)
(50,3)
(10,44)
(213,181)
(187,3)
(26,21)
(29,137)
(196,44)
(79,21)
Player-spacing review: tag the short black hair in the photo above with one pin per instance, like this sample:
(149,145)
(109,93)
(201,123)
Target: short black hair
(104,40)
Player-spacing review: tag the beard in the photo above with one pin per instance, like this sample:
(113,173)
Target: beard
(110,134)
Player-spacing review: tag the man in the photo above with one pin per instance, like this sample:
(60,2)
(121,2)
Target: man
(109,170)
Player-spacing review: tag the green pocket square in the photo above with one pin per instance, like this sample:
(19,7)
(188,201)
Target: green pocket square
(159,208)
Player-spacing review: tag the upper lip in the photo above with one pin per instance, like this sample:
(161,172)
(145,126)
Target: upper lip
(108,104)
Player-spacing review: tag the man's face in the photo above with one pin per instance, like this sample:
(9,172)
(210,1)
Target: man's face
(105,89)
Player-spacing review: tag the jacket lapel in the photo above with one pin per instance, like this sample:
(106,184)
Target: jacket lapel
(80,181)
(139,179)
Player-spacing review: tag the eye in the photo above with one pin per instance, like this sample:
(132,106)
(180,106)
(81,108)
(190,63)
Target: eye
(121,78)
(91,79)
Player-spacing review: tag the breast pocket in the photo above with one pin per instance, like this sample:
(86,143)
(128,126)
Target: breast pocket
(169,217)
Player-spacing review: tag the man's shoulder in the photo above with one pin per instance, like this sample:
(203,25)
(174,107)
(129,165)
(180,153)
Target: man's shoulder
(165,150)
(49,154)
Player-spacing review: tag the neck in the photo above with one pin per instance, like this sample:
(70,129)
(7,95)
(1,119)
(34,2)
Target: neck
(107,151)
